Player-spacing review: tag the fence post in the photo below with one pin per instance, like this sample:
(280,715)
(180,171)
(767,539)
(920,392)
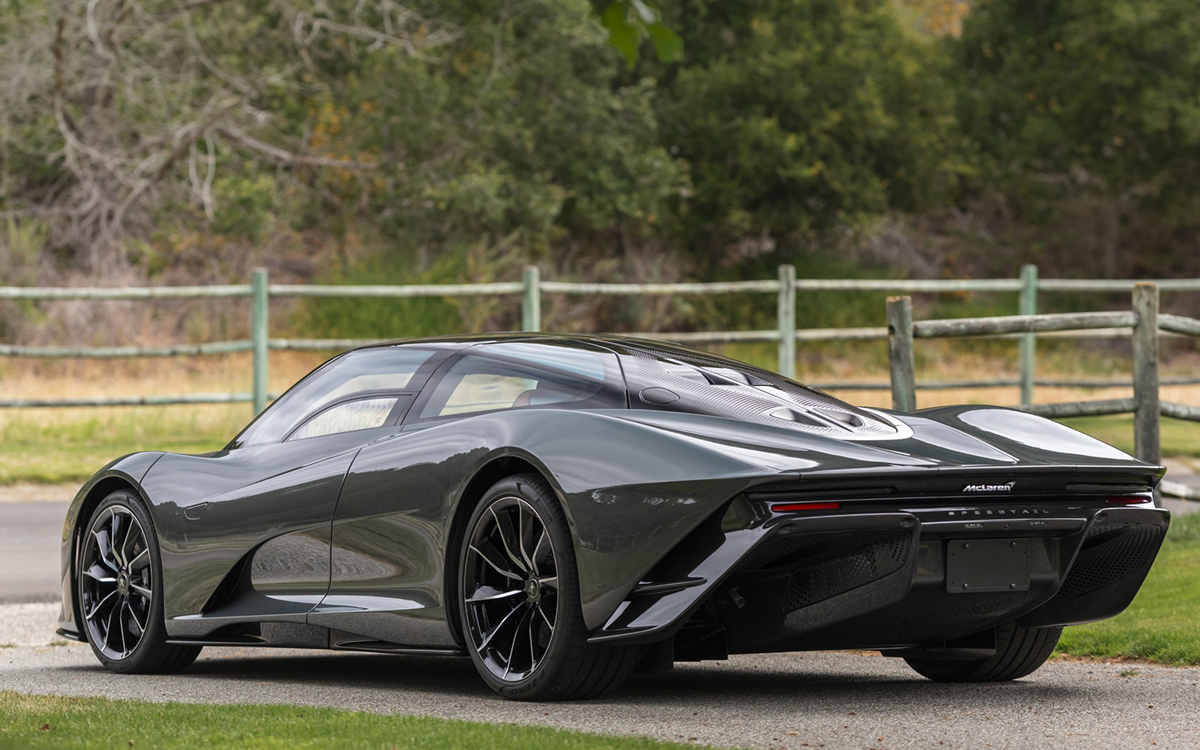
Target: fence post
(1028,345)
(787,321)
(531,306)
(259,331)
(1146,443)
(900,353)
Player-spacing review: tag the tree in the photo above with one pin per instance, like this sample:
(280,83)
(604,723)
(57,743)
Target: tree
(118,110)
(1095,94)
(801,115)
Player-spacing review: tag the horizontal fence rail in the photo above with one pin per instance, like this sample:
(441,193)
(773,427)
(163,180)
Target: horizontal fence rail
(932,329)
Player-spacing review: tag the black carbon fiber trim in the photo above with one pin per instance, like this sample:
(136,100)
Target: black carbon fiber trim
(1110,552)
(862,559)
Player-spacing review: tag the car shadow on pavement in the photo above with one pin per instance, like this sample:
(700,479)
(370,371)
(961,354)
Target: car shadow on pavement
(806,681)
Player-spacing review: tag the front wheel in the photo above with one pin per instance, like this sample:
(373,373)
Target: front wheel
(1019,652)
(119,580)
(519,600)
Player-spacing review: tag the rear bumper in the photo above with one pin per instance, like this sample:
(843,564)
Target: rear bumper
(878,579)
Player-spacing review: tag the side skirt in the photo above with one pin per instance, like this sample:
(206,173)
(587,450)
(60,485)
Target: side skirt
(294,635)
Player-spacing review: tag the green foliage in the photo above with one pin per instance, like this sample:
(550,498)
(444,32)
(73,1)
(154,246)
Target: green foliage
(804,116)
(521,125)
(630,21)
(1084,95)
(247,205)
(385,318)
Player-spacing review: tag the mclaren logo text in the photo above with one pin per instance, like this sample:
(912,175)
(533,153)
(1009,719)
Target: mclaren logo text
(989,487)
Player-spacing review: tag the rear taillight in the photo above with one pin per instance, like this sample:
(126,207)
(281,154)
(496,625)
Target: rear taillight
(789,507)
(1127,500)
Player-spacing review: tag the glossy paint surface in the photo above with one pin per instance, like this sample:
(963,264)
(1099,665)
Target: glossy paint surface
(357,531)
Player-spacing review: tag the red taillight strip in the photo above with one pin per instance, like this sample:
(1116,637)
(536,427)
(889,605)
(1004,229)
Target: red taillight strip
(1127,500)
(788,507)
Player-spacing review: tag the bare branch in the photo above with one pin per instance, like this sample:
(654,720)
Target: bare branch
(289,158)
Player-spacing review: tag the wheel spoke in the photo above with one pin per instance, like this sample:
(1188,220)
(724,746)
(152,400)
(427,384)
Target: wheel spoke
(123,624)
(140,560)
(512,648)
(145,592)
(550,583)
(98,574)
(508,537)
(547,619)
(545,535)
(125,544)
(532,655)
(114,531)
(493,594)
(108,630)
(499,626)
(140,627)
(100,604)
(104,549)
(521,524)
(495,559)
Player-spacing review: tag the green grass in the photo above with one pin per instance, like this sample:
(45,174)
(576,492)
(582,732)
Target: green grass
(70,447)
(28,721)
(1178,438)
(1163,623)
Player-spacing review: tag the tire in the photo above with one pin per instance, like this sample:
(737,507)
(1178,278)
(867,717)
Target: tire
(518,600)
(1019,652)
(120,586)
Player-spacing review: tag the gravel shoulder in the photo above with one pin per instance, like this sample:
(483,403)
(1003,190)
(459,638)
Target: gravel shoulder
(762,701)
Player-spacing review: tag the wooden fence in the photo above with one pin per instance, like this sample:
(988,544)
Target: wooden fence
(531,289)
(1143,321)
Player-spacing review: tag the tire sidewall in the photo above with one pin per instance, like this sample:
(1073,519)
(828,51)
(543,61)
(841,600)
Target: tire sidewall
(155,629)
(568,617)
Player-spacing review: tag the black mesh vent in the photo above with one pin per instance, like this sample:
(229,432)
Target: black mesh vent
(862,559)
(1110,553)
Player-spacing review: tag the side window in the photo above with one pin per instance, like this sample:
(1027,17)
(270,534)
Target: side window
(515,376)
(375,373)
(361,414)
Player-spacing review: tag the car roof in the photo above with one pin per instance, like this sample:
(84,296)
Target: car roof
(618,344)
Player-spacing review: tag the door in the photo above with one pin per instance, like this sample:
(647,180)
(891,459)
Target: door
(246,531)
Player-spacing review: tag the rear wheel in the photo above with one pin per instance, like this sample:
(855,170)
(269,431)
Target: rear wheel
(119,579)
(1019,652)
(519,600)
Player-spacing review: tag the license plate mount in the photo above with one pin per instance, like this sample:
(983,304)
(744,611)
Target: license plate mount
(977,566)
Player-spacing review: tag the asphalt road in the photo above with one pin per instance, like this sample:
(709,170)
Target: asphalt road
(789,701)
(29,549)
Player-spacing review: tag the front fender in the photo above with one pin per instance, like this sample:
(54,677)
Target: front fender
(127,471)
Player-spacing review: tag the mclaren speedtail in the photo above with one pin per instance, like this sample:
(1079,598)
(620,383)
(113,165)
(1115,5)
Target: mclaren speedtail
(566,510)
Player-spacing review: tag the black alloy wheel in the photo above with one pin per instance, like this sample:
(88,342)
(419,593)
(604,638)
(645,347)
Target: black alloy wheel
(120,596)
(519,600)
(511,587)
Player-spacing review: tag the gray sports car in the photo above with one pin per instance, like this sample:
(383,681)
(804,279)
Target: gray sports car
(566,510)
